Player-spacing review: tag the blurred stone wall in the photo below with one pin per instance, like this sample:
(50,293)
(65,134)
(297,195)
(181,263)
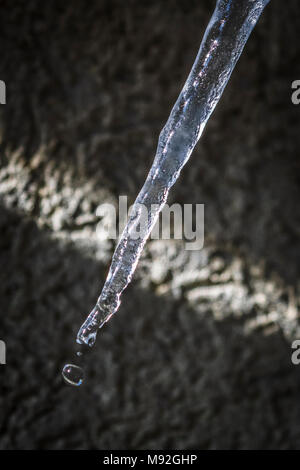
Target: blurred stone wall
(199,355)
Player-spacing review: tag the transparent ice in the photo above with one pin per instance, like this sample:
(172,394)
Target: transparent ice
(222,44)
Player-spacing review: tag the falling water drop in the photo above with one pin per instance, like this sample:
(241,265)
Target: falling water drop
(73,375)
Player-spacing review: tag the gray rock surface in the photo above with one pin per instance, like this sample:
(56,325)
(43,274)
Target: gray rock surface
(199,355)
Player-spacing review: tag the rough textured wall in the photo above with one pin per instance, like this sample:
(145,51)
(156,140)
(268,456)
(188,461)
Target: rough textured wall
(199,354)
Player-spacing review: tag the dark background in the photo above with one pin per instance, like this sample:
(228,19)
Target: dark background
(199,355)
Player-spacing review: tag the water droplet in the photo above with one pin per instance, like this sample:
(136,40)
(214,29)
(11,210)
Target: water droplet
(73,374)
(92,340)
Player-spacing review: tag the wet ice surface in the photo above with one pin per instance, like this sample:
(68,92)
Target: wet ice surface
(223,42)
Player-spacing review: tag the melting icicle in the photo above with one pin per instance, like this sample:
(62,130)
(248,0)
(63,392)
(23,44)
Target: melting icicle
(222,44)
